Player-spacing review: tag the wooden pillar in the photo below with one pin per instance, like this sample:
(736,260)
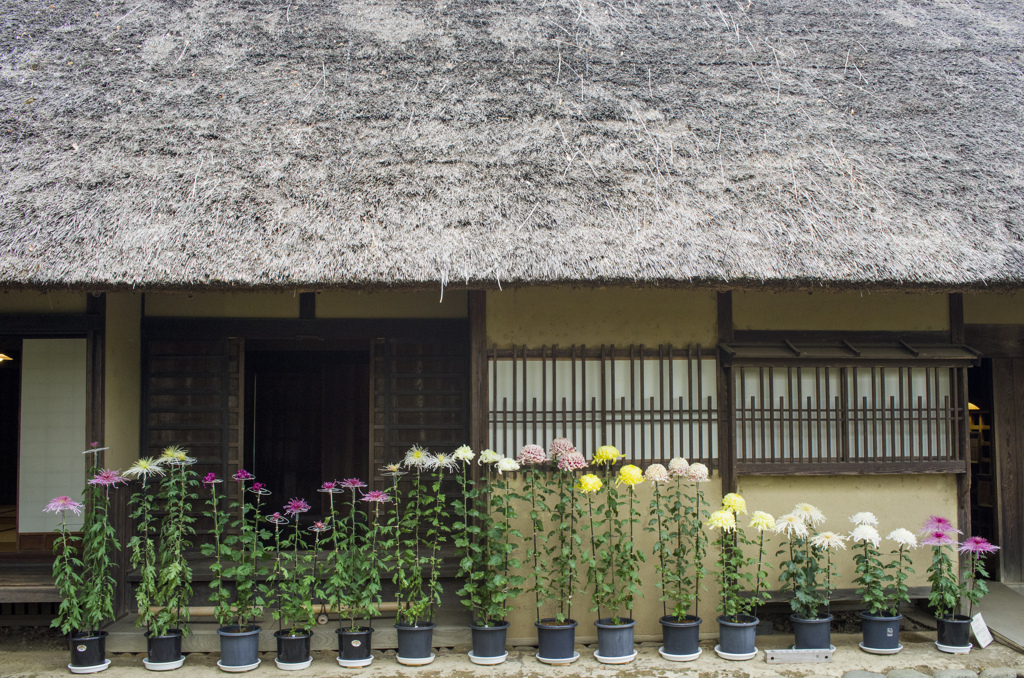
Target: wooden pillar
(726,440)
(478,405)
(963,480)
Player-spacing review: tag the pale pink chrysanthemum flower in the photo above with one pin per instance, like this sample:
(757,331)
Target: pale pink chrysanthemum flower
(976,545)
(935,523)
(64,503)
(351,484)
(677,467)
(939,538)
(532,454)
(319,526)
(377,496)
(560,446)
(572,461)
(296,506)
(656,473)
(108,478)
(698,472)
(277,519)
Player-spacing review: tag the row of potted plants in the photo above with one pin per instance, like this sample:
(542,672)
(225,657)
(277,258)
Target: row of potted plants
(582,538)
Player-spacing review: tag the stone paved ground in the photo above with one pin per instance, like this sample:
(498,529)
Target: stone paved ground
(919,659)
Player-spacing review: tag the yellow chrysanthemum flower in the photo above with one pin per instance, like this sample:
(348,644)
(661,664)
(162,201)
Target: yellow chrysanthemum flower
(174,452)
(630,475)
(762,521)
(722,520)
(145,467)
(589,483)
(734,503)
(606,454)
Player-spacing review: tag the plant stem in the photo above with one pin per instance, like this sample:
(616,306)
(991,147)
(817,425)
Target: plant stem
(593,548)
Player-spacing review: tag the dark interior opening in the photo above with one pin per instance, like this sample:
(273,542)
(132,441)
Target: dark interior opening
(10,409)
(984,513)
(307,421)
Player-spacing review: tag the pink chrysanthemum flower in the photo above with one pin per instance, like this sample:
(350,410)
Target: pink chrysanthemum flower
(64,503)
(532,454)
(259,488)
(211,478)
(976,545)
(376,495)
(277,519)
(243,475)
(939,538)
(352,484)
(296,506)
(697,472)
(319,526)
(560,446)
(572,461)
(108,478)
(936,524)
(329,485)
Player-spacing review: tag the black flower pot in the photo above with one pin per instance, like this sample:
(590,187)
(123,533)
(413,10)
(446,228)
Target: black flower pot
(239,646)
(88,649)
(354,644)
(881,634)
(615,641)
(556,642)
(812,634)
(415,642)
(292,647)
(736,637)
(680,637)
(165,649)
(954,634)
(488,641)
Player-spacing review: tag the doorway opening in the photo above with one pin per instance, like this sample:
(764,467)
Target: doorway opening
(984,497)
(307,421)
(10,416)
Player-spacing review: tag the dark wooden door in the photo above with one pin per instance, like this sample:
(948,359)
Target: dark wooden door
(1008,439)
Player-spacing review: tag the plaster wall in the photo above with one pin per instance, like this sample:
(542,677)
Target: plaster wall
(536,316)
(994,308)
(353,304)
(30,301)
(826,310)
(122,379)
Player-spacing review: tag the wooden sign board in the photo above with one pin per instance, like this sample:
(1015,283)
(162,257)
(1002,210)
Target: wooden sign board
(799,656)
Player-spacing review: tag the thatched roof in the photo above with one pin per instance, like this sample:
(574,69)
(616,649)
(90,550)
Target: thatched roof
(313,144)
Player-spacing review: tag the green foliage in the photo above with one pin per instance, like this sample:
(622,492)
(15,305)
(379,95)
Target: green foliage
(67,577)
(802,574)
(898,592)
(676,519)
(418,529)
(291,580)
(733,575)
(557,565)
(354,586)
(483,535)
(946,590)
(173,580)
(142,548)
(613,561)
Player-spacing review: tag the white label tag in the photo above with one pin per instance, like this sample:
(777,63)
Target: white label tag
(980,630)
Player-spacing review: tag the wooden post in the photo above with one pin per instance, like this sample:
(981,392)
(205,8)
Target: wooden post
(478,405)
(726,442)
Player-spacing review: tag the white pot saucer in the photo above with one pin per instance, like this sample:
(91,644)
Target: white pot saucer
(354,663)
(90,669)
(488,661)
(558,662)
(875,650)
(678,657)
(955,649)
(239,669)
(418,661)
(625,659)
(293,666)
(735,657)
(163,666)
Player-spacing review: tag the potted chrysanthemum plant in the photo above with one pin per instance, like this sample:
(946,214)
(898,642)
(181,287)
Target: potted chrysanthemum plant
(239,564)
(289,586)
(418,528)
(677,519)
(557,571)
(948,588)
(485,539)
(807,571)
(881,591)
(612,564)
(83,568)
(736,574)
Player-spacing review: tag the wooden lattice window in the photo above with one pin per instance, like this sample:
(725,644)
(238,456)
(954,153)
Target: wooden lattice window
(849,409)
(651,403)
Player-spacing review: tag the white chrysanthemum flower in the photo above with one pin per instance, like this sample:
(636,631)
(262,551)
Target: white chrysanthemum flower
(762,521)
(677,466)
(504,464)
(828,540)
(864,518)
(464,453)
(443,462)
(489,457)
(698,472)
(145,467)
(903,537)
(866,533)
(724,520)
(656,473)
(809,513)
(791,525)
(418,458)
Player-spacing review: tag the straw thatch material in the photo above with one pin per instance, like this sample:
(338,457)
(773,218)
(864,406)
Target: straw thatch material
(310,144)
